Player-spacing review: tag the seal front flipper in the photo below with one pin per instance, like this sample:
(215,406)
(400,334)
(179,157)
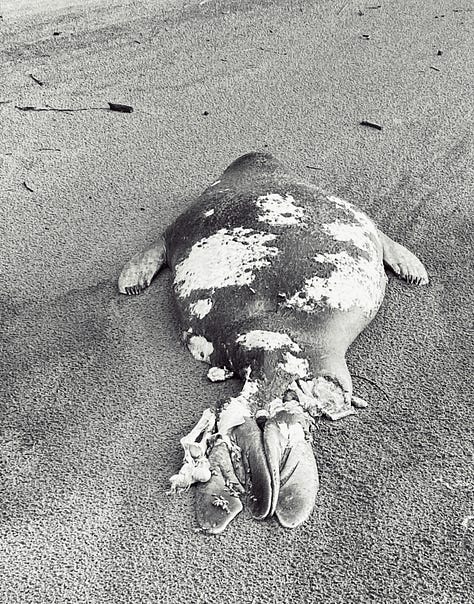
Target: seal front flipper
(139,271)
(403,262)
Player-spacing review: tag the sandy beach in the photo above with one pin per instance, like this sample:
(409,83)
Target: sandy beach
(96,389)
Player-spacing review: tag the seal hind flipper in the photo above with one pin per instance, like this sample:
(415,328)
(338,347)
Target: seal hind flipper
(293,467)
(258,481)
(139,271)
(218,500)
(403,262)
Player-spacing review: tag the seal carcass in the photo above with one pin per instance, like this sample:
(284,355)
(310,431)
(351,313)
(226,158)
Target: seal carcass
(273,281)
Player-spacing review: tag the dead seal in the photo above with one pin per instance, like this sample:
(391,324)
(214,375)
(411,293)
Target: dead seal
(273,281)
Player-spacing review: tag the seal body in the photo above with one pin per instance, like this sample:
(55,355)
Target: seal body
(273,280)
(267,266)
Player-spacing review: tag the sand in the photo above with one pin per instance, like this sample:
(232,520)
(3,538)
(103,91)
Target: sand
(96,389)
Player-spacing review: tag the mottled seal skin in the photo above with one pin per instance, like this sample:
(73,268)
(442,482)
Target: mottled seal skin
(273,280)
(262,304)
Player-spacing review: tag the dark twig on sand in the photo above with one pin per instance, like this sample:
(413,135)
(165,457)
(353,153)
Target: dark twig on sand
(314,167)
(4,102)
(29,108)
(366,379)
(111,107)
(39,82)
(371,125)
(28,188)
(434,68)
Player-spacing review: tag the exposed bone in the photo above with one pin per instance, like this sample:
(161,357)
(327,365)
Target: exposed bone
(219,374)
(233,415)
(322,396)
(358,402)
(196,467)
(331,399)
(303,391)
(290,406)
(237,409)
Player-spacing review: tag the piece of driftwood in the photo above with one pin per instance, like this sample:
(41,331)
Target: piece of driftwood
(371,124)
(120,108)
(111,107)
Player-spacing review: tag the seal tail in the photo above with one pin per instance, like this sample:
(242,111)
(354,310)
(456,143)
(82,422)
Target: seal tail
(138,273)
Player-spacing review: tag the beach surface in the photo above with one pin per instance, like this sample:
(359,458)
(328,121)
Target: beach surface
(96,388)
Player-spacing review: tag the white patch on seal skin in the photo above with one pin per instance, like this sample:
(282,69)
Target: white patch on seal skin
(200,348)
(278,210)
(355,233)
(360,234)
(201,308)
(209,212)
(228,257)
(268,340)
(361,218)
(294,365)
(353,282)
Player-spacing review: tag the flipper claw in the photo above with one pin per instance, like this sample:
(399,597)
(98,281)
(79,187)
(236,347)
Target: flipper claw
(138,273)
(403,262)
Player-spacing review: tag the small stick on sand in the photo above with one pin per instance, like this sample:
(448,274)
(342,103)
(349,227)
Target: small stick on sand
(111,107)
(39,82)
(28,188)
(29,108)
(371,125)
